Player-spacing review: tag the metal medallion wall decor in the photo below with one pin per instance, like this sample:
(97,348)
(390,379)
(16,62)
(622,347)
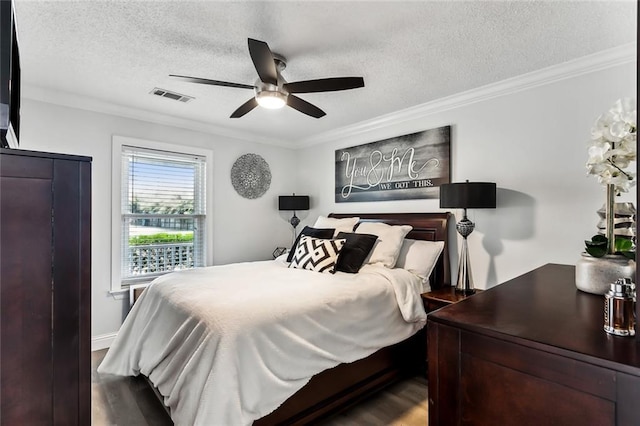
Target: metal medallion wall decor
(251,176)
(401,168)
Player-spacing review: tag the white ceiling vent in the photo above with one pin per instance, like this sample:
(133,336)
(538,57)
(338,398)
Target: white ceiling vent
(171,95)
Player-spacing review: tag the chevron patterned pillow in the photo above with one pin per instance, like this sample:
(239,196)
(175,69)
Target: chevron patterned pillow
(317,254)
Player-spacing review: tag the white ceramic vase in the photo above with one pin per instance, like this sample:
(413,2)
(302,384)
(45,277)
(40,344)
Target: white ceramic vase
(595,274)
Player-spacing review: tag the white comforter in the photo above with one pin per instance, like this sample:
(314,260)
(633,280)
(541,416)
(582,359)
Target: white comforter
(226,345)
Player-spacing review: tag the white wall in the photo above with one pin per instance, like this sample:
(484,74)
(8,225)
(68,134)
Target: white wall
(243,229)
(533,144)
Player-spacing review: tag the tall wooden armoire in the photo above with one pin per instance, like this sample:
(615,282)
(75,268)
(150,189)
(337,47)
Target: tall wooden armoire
(45,288)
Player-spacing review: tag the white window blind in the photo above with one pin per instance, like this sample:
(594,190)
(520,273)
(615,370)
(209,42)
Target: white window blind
(163,212)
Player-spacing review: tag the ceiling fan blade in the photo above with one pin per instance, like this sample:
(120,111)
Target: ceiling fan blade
(263,61)
(245,108)
(211,82)
(304,107)
(324,85)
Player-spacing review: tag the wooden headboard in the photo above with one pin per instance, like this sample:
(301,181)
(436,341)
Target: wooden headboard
(426,226)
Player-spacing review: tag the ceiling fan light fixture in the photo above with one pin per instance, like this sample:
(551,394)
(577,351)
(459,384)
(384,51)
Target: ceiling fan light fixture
(272,91)
(271,99)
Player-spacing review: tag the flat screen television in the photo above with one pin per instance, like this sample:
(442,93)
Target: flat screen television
(9,77)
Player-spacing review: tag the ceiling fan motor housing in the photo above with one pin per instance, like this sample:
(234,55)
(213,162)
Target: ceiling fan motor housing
(269,95)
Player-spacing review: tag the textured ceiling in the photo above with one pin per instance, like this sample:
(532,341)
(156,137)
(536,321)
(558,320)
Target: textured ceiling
(409,52)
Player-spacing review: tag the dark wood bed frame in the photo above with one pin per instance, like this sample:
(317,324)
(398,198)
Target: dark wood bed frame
(336,389)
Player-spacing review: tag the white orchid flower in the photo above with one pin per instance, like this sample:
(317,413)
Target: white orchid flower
(625,110)
(597,153)
(613,146)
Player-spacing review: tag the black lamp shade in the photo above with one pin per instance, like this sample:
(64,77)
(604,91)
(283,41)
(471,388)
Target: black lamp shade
(468,195)
(293,202)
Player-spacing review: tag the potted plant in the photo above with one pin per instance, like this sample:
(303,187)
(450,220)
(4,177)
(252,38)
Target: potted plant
(611,151)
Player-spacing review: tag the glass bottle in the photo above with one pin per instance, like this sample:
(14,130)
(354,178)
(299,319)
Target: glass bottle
(619,308)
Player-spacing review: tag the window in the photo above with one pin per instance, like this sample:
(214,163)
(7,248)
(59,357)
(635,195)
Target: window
(162,212)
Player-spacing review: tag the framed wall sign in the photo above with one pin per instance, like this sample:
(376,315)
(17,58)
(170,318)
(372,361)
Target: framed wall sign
(401,168)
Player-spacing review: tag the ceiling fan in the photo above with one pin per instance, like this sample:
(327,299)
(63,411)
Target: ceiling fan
(272,90)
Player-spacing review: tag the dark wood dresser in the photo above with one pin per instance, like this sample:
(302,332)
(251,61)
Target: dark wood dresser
(45,288)
(531,351)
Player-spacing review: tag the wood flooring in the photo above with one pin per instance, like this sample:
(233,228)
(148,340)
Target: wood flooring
(128,401)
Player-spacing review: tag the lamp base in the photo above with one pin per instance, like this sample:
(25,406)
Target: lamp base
(294,221)
(465,279)
(467,292)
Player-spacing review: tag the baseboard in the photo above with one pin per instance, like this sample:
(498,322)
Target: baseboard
(102,341)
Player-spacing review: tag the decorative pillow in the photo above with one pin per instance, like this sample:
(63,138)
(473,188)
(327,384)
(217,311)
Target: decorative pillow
(316,254)
(355,251)
(419,257)
(390,238)
(311,232)
(340,225)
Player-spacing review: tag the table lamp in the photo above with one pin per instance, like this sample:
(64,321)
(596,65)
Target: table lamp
(467,195)
(293,202)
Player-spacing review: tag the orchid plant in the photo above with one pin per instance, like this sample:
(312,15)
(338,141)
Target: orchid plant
(613,146)
(611,151)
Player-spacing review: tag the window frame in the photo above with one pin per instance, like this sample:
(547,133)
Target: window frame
(117,284)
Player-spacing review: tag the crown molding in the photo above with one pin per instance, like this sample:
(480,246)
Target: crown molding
(71,100)
(609,58)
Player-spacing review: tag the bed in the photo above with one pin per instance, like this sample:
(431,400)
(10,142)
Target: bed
(334,338)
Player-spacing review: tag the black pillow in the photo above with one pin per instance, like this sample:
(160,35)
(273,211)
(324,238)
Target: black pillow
(355,251)
(312,232)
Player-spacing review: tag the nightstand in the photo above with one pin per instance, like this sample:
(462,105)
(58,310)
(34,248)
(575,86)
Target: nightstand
(436,299)
(442,297)
(135,291)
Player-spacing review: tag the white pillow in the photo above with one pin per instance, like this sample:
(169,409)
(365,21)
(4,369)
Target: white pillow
(390,238)
(419,257)
(345,224)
